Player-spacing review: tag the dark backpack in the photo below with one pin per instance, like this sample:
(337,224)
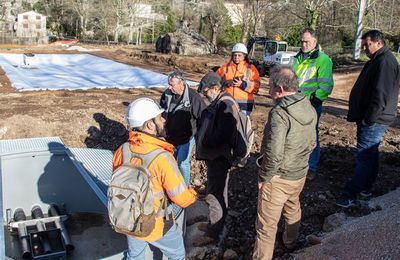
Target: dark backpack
(245,134)
(244,138)
(130,195)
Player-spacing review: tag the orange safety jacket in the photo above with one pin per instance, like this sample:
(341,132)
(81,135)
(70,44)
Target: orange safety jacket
(166,178)
(251,82)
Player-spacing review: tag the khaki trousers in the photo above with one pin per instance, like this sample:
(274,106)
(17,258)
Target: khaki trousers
(274,198)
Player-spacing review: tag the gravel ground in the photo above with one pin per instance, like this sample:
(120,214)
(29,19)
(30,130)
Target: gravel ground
(375,236)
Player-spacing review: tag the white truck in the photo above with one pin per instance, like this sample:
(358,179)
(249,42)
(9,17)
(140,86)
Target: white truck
(265,53)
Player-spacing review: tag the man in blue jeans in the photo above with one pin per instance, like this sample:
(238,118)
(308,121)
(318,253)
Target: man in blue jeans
(373,106)
(183,107)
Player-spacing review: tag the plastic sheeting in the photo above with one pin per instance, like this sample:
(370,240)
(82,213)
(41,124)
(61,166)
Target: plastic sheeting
(75,71)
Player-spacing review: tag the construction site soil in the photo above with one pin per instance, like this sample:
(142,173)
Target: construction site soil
(95,119)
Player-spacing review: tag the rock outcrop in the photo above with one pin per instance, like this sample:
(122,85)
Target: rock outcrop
(185,42)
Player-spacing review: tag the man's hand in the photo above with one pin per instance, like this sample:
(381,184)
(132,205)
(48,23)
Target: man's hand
(315,102)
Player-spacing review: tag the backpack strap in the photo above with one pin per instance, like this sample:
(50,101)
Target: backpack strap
(248,70)
(226,71)
(227,97)
(147,159)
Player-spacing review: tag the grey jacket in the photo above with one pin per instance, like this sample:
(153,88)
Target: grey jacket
(289,138)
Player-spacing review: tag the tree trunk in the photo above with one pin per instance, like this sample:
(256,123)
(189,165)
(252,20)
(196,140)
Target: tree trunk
(214,33)
(131,26)
(357,37)
(116,33)
(312,23)
(243,37)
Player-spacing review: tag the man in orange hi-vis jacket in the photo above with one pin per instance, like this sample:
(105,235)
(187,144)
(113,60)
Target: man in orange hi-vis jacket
(147,129)
(241,77)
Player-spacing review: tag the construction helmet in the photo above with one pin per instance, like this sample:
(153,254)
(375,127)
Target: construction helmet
(239,47)
(141,110)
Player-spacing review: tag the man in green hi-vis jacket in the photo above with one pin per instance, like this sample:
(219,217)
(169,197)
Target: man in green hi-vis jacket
(314,70)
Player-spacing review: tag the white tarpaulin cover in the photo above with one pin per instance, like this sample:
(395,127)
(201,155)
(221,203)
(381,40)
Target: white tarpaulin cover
(75,71)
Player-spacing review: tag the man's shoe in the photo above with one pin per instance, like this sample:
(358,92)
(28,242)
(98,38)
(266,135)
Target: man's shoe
(365,194)
(311,175)
(345,202)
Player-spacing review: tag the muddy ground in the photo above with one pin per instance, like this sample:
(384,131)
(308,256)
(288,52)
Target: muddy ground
(95,119)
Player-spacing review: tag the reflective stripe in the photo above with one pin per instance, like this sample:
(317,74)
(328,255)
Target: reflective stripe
(244,101)
(173,164)
(176,191)
(325,80)
(248,82)
(248,70)
(158,195)
(327,88)
(308,73)
(308,88)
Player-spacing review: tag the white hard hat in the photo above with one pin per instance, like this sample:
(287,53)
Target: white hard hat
(141,110)
(239,47)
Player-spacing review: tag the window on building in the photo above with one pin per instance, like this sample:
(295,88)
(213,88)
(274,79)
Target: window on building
(38,26)
(38,17)
(25,25)
(25,17)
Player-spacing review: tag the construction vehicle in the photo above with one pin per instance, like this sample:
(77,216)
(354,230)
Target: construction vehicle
(266,52)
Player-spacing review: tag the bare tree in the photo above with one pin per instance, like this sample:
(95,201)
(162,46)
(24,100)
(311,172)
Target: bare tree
(216,17)
(83,9)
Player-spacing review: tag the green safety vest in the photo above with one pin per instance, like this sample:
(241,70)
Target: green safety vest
(314,73)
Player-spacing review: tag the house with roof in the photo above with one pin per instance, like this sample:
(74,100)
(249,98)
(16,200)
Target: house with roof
(31,26)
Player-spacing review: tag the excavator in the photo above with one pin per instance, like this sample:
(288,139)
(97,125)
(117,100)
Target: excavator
(265,52)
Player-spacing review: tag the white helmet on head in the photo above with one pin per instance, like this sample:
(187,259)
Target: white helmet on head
(239,47)
(141,110)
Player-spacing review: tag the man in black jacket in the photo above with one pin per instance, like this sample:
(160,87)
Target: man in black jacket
(214,144)
(183,107)
(373,106)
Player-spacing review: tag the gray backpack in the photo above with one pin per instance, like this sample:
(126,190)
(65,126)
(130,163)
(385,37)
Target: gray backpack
(130,195)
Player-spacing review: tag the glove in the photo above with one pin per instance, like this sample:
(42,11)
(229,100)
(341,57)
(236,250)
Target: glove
(243,85)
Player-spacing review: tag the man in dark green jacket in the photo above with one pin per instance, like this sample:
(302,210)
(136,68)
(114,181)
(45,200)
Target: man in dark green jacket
(289,138)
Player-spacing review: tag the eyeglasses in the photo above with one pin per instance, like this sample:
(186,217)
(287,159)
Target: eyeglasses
(205,90)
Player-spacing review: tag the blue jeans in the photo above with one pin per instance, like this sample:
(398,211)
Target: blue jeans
(367,165)
(182,155)
(171,245)
(314,156)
